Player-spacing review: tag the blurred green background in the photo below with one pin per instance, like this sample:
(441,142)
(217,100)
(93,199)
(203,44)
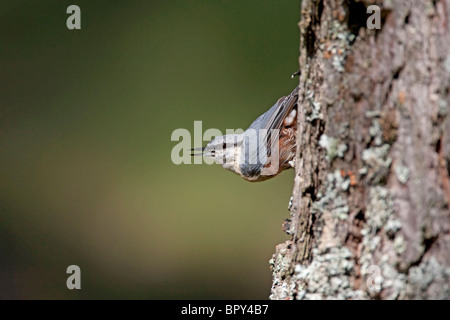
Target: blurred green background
(86,118)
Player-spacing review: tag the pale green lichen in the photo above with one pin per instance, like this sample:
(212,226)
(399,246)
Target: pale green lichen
(378,162)
(345,185)
(374,128)
(316,108)
(399,245)
(376,156)
(392,226)
(333,146)
(402,173)
(282,287)
(379,208)
(362,171)
(328,275)
(341,150)
(430,279)
(372,113)
(443,110)
(330,197)
(340,208)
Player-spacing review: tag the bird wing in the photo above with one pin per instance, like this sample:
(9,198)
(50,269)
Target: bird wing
(272,120)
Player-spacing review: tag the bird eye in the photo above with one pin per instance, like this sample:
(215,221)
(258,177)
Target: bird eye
(213,153)
(224,145)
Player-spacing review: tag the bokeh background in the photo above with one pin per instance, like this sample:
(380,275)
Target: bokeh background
(86,118)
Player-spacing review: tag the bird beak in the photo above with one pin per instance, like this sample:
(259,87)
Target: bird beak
(193,150)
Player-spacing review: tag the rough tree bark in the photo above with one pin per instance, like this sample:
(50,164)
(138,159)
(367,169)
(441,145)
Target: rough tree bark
(370,215)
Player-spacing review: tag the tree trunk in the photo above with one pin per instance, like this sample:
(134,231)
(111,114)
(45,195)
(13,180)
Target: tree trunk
(370,215)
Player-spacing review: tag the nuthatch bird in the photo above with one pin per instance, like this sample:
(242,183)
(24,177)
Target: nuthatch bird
(265,149)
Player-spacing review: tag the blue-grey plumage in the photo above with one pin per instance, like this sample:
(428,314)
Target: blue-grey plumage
(266,148)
